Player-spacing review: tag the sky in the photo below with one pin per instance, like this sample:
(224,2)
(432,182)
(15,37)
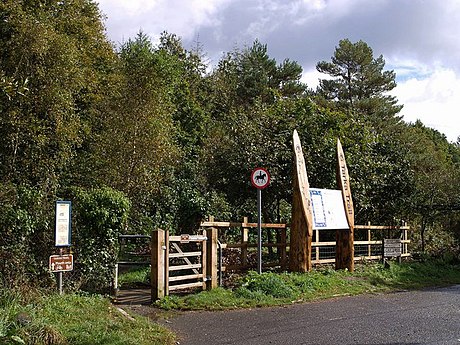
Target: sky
(419,39)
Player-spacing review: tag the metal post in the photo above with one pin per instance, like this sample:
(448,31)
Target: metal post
(60,282)
(60,275)
(115,282)
(259,231)
(220,262)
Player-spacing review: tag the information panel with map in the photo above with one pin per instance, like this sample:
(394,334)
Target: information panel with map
(328,209)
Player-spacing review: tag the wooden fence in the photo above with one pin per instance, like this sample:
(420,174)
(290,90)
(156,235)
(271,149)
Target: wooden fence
(368,242)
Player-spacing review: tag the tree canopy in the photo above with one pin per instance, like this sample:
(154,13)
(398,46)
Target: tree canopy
(359,82)
(178,138)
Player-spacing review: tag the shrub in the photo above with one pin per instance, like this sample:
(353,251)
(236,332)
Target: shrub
(26,240)
(100,216)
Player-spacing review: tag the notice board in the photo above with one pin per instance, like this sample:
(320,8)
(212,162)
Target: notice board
(328,209)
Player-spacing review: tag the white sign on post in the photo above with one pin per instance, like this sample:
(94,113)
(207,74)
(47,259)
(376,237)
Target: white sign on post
(328,209)
(63,224)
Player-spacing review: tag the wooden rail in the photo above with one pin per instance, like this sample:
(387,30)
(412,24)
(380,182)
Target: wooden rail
(319,247)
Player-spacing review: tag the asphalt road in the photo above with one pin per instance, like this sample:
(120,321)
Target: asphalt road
(429,316)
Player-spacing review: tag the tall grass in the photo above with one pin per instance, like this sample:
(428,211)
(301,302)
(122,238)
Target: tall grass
(268,288)
(73,319)
(9,309)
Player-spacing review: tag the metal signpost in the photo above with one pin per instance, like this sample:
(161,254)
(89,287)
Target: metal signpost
(260,178)
(63,230)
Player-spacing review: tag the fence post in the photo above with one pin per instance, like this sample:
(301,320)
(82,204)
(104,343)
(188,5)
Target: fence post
(166,262)
(158,267)
(282,249)
(316,244)
(204,260)
(405,238)
(244,242)
(211,258)
(369,246)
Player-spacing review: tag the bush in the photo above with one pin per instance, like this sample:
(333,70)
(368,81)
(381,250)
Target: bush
(100,216)
(27,237)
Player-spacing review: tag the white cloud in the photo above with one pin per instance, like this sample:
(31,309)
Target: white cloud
(434,100)
(128,8)
(311,78)
(126,18)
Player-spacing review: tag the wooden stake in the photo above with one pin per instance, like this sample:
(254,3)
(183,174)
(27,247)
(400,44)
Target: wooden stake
(302,217)
(344,255)
(211,258)
(158,276)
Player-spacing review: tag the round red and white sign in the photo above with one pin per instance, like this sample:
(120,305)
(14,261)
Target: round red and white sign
(260,178)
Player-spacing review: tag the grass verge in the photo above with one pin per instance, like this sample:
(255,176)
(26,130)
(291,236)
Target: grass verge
(72,319)
(271,289)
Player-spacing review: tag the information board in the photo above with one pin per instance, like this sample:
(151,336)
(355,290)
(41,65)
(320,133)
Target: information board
(328,209)
(63,224)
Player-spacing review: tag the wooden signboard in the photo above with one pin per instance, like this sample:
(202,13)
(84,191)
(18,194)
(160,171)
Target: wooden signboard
(344,257)
(391,247)
(302,217)
(61,263)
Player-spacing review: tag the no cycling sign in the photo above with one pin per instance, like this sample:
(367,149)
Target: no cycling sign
(260,178)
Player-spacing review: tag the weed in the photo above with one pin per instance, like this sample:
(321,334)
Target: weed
(267,284)
(169,302)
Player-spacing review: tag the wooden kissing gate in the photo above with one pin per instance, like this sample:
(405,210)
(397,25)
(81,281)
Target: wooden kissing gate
(183,262)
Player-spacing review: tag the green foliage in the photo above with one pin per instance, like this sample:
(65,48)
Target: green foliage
(269,289)
(61,50)
(179,140)
(432,272)
(255,106)
(359,83)
(72,319)
(436,184)
(101,216)
(269,284)
(10,88)
(372,134)
(134,151)
(25,221)
(9,308)
(134,277)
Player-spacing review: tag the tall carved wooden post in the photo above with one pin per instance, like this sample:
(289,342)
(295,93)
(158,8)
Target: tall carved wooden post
(344,255)
(302,218)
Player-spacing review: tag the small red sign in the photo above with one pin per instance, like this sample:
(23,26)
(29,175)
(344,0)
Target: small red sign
(260,178)
(60,263)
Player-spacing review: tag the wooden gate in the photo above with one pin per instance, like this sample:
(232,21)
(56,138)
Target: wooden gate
(186,262)
(183,262)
